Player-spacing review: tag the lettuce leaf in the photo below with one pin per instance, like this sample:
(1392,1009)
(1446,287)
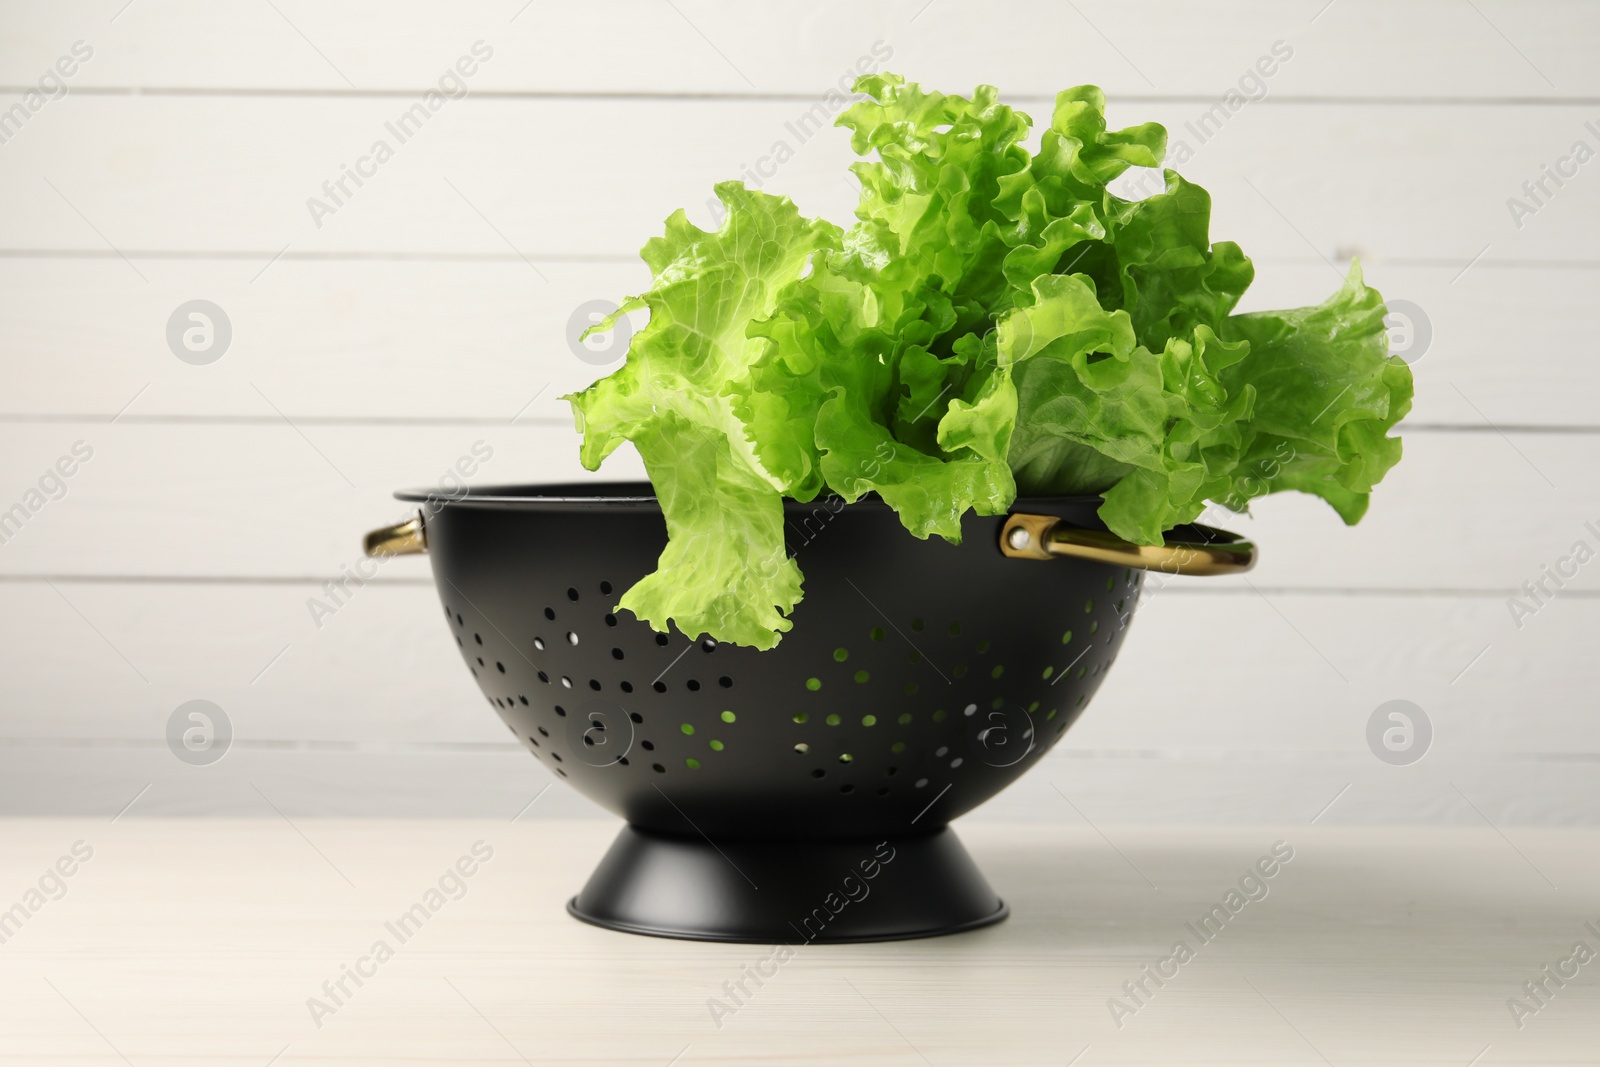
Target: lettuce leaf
(1328,392)
(725,570)
(995,322)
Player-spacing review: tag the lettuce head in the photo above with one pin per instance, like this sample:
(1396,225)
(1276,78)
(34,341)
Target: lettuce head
(995,323)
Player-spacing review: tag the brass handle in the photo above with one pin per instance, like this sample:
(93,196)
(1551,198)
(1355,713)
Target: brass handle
(1203,550)
(409,538)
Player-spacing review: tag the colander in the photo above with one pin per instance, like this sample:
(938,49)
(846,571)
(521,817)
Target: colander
(802,793)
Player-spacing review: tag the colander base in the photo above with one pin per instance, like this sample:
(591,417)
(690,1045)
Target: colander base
(788,892)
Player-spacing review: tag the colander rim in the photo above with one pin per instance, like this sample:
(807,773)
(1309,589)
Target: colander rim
(633,494)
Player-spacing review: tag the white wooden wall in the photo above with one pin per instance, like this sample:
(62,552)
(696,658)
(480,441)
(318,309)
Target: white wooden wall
(430,311)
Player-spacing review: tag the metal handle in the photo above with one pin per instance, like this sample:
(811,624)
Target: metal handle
(409,538)
(1199,549)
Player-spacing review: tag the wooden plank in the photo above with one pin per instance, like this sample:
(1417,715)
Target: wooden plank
(473,340)
(270,499)
(392,340)
(256,499)
(1246,676)
(539,178)
(203,940)
(1363,48)
(55,778)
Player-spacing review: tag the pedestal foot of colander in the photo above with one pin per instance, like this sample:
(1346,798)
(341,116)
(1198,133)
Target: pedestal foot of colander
(788,892)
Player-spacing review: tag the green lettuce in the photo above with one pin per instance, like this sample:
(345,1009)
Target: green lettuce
(996,322)
(724,570)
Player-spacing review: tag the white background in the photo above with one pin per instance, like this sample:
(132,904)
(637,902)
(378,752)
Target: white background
(430,312)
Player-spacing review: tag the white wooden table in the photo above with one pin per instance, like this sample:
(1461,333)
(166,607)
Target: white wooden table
(202,941)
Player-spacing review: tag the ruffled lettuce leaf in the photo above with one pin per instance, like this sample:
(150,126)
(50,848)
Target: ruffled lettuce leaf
(995,321)
(1327,394)
(725,569)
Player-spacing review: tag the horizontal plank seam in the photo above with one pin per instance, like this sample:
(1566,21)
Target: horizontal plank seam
(1419,592)
(1062,752)
(1450,263)
(635,96)
(398,257)
(25,417)
(308,420)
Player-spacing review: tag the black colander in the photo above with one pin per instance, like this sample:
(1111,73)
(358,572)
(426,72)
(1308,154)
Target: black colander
(801,792)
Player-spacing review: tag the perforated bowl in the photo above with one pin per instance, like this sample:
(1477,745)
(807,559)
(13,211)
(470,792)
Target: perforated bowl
(919,679)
